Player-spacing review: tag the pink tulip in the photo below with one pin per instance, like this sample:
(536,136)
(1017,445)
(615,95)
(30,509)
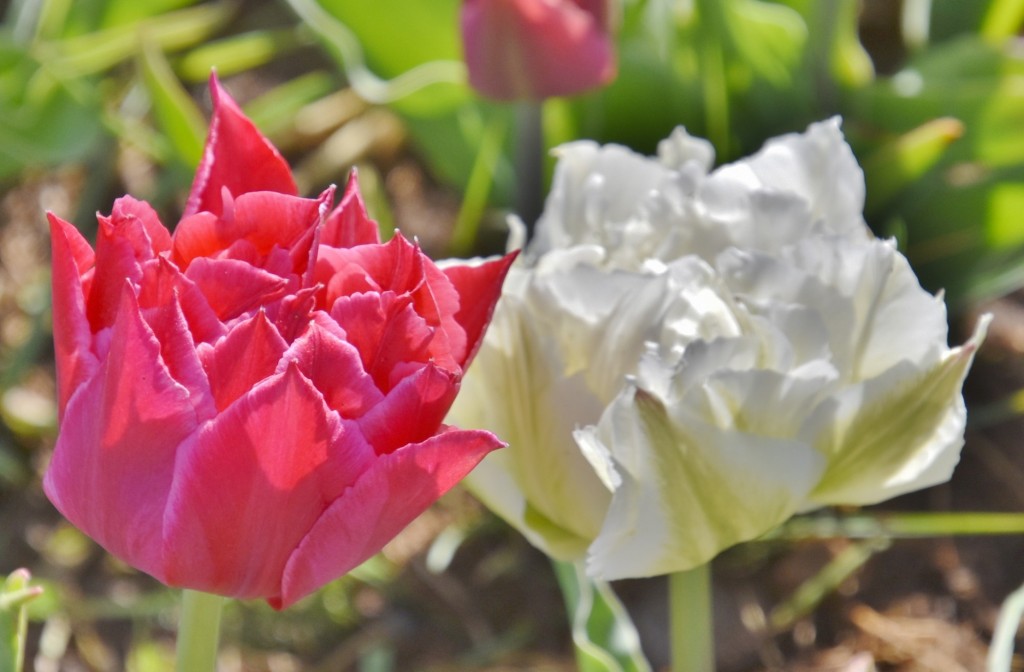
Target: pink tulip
(535,49)
(253,405)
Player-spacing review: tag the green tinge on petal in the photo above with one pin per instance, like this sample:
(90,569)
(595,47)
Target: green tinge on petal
(689,492)
(900,436)
(559,542)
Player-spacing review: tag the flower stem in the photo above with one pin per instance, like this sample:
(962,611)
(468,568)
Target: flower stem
(199,631)
(529,162)
(691,620)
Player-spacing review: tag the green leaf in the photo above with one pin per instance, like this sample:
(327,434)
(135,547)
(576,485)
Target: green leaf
(43,120)
(100,50)
(176,113)
(421,81)
(398,35)
(1002,20)
(237,53)
(276,109)
(897,164)
(605,638)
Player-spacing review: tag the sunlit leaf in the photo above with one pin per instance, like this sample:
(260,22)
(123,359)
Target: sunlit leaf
(605,638)
(175,110)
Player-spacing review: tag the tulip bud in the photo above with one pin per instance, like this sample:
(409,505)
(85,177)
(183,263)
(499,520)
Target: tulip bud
(536,49)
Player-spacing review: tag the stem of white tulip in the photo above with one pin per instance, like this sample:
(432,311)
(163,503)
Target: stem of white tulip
(691,620)
(199,631)
(529,162)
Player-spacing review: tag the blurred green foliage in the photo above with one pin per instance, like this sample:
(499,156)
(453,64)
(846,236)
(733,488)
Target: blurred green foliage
(741,71)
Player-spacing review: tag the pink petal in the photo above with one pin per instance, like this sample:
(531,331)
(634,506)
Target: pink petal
(396,265)
(111,469)
(349,224)
(251,486)
(237,156)
(479,288)
(412,411)
(149,236)
(163,283)
(397,488)
(80,250)
(385,330)
(268,219)
(247,355)
(536,49)
(122,243)
(72,337)
(196,236)
(234,287)
(263,219)
(334,368)
(178,351)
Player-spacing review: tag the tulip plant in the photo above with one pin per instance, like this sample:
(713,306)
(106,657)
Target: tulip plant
(252,406)
(694,356)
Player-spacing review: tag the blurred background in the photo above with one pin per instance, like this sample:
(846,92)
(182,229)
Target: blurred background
(104,97)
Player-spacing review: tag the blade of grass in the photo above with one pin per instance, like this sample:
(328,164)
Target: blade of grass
(478,188)
(101,50)
(899,525)
(811,592)
(175,110)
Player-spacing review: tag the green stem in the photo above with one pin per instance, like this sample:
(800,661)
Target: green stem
(529,162)
(715,85)
(691,620)
(199,631)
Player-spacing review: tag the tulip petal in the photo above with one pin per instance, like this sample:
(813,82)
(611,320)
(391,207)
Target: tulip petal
(252,484)
(534,48)
(267,219)
(163,283)
(121,244)
(349,224)
(111,469)
(178,351)
(818,167)
(396,265)
(684,493)
(896,433)
(234,287)
(151,237)
(72,336)
(411,411)
(237,156)
(248,354)
(478,289)
(335,368)
(264,219)
(535,409)
(397,488)
(385,330)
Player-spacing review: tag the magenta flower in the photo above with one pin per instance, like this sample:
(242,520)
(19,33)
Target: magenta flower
(253,405)
(535,49)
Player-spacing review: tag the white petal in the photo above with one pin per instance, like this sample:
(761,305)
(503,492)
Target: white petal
(689,492)
(896,433)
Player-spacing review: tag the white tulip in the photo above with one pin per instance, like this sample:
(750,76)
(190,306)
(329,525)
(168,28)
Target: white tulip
(684,358)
